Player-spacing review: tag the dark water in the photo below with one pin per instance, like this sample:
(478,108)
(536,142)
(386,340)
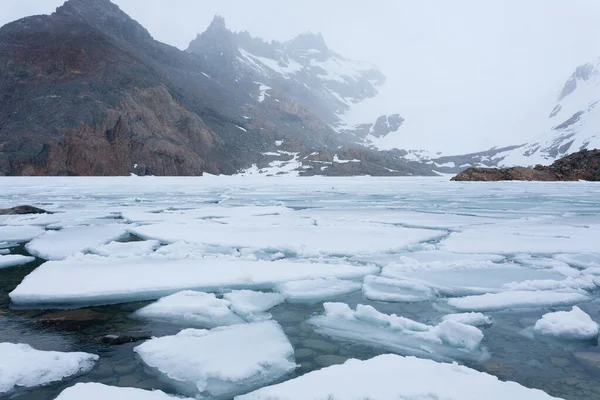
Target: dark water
(553,366)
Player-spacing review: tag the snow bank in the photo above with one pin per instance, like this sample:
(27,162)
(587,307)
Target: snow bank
(58,245)
(98,391)
(365,325)
(23,366)
(517,299)
(222,362)
(392,377)
(315,290)
(191,308)
(13,260)
(574,324)
(96,280)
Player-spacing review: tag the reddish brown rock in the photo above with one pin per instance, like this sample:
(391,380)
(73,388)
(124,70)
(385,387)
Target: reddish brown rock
(583,165)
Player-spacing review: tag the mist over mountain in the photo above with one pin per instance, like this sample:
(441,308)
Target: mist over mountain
(88,91)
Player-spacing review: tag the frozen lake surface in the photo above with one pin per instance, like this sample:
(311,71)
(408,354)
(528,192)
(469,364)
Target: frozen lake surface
(218,287)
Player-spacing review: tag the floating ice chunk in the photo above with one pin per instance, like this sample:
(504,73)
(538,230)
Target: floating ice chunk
(472,318)
(19,234)
(222,362)
(394,290)
(581,283)
(533,235)
(488,277)
(392,377)
(58,245)
(308,240)
(315,290)
(85,280)
(367,326)
(13,260)
(98,391)
(118,249)
(574,324)
(580,260)
(517,299)
(191,308)
(251,305)
(23,366)
(4,251)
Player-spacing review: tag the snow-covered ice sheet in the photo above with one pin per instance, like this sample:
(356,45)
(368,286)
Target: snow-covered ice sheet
(575,324)
(395,290)
(13,260)
(392,377)
(315,290)
(58,245)
(305,240)
(191,309)
(472,318)
(22,366)
(251,305)
(366,325)
(530,235)
(19,234)
(98,391)
(518,299)
(483,276)
(221,362)
(91,279)
(128,249)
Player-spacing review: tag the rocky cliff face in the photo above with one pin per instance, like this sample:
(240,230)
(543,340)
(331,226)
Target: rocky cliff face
(88,91)
(583,165)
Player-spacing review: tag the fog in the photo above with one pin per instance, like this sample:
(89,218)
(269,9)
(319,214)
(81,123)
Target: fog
(463,72)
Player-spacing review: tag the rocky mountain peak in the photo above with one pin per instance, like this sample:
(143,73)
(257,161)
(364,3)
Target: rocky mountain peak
(218,24)
(216,42)
(106,17)
(582,73)
(308,42)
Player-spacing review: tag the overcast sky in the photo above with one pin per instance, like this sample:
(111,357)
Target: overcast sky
(483,71)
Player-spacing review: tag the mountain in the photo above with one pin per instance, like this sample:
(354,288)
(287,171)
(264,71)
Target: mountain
(572,125)
(88,91)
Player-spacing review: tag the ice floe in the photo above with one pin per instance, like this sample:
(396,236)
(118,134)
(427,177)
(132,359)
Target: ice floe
(518,299)
(472,318)
(191,309)
(19,234)
(391,377)
(395,290)
(574,324)
(366,325)
(221,362)
(315,290)
(13,260)
(251,305)
(22,366)
(528,235)
(98,391)
(304,240)
(58,245)
(128,249)
(90,279)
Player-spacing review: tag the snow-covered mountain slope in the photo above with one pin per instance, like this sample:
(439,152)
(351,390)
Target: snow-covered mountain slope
(306,70)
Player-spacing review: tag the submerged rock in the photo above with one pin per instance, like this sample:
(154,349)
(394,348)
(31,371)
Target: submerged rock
(117,340)
(22,210)
(583,165)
